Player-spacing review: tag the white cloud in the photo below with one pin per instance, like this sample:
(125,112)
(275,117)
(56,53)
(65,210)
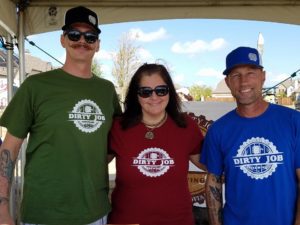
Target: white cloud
(189,47)
(217,44)
(179,78)
(210,72)
(140,35)
(145,55)
(106,69)
(200,82)
(104,55)
(273,79)
(197,46)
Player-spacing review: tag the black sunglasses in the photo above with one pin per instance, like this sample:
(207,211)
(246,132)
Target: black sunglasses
(75,35)
(146,92)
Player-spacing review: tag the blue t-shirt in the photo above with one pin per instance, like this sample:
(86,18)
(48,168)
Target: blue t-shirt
(259,157)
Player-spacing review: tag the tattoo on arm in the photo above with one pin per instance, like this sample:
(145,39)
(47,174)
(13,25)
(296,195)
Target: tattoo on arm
(217,195)
(6,165)
(214,199)
(216,192)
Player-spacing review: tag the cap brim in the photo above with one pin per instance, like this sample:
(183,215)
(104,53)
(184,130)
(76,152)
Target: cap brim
(227,71)
(66,27)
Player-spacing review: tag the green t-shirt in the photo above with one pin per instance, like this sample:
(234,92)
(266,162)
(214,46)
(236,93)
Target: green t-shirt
(68,120)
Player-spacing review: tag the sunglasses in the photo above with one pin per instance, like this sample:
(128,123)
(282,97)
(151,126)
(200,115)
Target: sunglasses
(75,35)
(146,92)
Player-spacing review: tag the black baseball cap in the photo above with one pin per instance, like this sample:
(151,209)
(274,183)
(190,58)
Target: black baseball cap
(81,14)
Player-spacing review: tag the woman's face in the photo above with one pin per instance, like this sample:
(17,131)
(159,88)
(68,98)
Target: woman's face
(154,105)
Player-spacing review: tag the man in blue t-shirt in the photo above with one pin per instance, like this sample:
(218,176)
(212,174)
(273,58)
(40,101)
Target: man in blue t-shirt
(257,148)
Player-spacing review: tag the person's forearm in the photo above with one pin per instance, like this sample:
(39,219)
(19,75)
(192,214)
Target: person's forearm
(7,165)
(9,151)
(195,160)
(213,191)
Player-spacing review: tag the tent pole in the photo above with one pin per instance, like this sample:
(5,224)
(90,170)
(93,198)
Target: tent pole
(10,67)
(10,77)
(20,163)
(21,43)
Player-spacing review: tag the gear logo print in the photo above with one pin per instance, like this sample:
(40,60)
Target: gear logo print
(87,116)
(153,162)
(258,158)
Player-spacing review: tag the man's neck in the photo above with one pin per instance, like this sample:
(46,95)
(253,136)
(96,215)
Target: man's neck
(253,110)
(82,70)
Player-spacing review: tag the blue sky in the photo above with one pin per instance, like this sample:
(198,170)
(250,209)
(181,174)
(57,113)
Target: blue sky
(193,49)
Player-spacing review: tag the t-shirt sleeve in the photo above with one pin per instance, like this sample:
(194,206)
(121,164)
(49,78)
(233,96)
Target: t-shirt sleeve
(211,154)
(114,140)
(18,115)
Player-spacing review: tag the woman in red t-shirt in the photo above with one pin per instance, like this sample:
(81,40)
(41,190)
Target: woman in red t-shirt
(153,142)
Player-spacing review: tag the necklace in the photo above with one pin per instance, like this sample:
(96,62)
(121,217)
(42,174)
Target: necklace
(150,127)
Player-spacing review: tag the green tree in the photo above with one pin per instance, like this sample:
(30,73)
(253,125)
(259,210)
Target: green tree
(197,91)
(125,63)
(96,68)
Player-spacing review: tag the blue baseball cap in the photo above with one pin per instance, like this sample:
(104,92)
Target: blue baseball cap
(242,56)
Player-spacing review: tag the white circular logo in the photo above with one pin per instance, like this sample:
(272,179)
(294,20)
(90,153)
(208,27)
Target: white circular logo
(252,57)
(153,162)
(258,158)
(87,116)
(92,19)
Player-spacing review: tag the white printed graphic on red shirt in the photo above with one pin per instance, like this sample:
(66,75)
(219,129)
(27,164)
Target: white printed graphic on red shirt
(87,116)
(153,162)
(258,158)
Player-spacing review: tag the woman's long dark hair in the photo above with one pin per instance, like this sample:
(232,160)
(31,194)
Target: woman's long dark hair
(132,109)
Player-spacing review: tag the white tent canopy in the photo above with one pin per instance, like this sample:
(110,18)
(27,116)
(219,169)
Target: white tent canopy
(8,18)
(20,18)
(48,15)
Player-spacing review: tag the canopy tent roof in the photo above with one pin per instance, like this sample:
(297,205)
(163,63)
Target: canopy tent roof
(8,18)
(48,15)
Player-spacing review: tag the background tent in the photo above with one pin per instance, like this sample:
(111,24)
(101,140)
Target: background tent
(47,15)
(20,18)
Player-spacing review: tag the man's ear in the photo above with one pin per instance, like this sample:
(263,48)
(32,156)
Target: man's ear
(264,75)
(98,46)
(62,41)
(227,82)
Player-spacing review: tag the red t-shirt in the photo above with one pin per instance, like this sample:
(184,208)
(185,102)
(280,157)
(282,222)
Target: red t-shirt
(151,178)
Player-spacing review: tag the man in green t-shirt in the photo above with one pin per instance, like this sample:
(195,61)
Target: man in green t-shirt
(67,113)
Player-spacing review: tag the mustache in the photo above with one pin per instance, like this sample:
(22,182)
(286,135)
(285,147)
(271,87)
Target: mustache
(80,44)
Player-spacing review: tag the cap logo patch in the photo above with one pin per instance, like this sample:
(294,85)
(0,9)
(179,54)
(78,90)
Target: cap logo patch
(92,19)
(252,57)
